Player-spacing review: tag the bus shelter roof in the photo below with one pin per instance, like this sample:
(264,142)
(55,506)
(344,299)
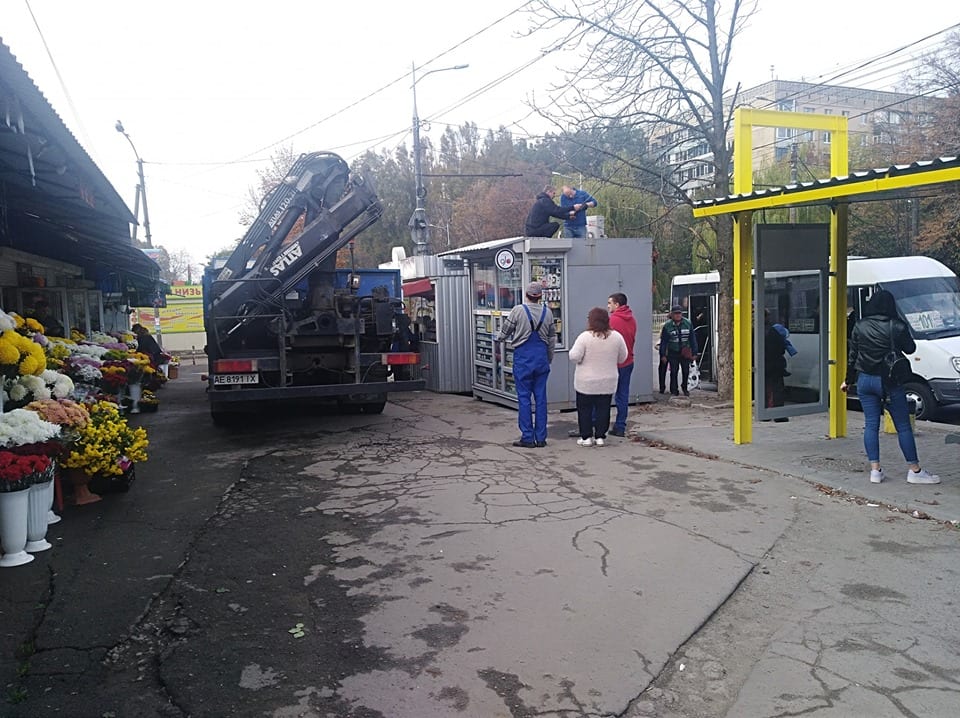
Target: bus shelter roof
(893,182)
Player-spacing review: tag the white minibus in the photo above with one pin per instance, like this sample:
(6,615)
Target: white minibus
(927,294)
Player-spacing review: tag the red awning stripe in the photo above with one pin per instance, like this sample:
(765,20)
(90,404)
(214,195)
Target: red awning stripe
(418,288)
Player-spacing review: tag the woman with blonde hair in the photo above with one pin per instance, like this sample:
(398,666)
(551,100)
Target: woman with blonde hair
(596,352)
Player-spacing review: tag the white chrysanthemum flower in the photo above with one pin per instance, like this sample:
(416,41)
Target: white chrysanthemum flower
(18,392)
(6,322)
(21,426)
(62,386)
(90,350)
(90,374)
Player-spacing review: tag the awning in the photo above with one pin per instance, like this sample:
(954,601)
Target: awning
(418,288)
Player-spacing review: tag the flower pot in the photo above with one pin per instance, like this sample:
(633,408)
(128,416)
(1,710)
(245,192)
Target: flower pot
(13,527)
(115,484)
(39,500)
(136,391)
(81,491)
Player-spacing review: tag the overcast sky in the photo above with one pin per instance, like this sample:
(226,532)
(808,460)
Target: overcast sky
(207,90)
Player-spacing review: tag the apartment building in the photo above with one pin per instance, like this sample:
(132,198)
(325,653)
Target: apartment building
(876,117)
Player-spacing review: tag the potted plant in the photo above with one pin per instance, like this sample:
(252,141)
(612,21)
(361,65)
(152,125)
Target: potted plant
(149,401)
(20,429)
(106,448)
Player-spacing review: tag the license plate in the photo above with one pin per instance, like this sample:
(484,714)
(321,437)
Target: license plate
(236,379)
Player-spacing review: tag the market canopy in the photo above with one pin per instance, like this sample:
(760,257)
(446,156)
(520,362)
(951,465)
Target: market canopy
(57,202)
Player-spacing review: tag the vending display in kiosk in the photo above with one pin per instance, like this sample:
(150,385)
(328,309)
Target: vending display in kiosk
(548,271)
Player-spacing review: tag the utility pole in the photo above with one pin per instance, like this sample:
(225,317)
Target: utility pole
(419,228)
(142,195)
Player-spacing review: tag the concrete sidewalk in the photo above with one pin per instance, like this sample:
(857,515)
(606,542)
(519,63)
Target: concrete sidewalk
(802,448)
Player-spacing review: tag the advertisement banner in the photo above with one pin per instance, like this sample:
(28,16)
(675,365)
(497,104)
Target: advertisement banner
(182,315)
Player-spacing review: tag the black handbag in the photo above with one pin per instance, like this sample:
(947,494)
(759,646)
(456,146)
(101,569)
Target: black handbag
(896,366)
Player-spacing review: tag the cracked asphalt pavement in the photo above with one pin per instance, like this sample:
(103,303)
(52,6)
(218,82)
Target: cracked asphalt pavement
(415,564)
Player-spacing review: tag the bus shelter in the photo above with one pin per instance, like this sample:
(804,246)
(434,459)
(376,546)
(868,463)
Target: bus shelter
(838,192)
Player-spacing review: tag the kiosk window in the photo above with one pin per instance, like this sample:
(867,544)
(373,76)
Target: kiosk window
(548,271)
(484,285)
(510,287)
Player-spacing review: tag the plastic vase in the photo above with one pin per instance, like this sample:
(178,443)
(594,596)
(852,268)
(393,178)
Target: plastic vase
(38,503)
(13,527)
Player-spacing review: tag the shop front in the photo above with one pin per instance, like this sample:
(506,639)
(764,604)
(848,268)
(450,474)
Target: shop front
(576,275)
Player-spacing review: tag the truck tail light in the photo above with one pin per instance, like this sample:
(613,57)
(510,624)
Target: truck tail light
(396,358)
(234,366)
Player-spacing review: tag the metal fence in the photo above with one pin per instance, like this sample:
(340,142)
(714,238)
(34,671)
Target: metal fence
(659,319)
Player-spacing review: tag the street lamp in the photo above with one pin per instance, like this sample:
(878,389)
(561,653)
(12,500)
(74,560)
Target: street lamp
(141,190)
(142,194)
(419,229)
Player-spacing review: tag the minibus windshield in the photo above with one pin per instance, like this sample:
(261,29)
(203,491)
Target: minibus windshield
(930,305)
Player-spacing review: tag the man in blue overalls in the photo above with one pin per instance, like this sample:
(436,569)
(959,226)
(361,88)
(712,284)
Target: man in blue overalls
(530,329)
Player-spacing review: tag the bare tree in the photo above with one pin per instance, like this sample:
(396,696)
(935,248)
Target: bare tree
(268,177)
(659,65)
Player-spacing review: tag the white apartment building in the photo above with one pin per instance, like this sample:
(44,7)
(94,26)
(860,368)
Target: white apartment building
(875,117)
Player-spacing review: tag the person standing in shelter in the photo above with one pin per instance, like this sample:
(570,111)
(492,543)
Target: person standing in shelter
(623,322)
(878,334)
(538,222)
(597,352)
(678,347)
(575,202)
(774,364)
(530,329)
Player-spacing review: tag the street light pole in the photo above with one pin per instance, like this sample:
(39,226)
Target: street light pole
(141,188)
(419,228)
(142,195)
(579,175)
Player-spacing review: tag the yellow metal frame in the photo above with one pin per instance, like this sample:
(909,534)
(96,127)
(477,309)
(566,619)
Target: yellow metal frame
(744,120)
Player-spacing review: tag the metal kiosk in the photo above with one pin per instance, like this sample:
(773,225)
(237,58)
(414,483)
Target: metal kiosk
(577,275)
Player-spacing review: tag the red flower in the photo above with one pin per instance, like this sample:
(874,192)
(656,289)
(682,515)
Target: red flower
(14,467)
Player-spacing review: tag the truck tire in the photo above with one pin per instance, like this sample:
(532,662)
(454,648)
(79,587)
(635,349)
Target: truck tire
(374,407)
(924,399)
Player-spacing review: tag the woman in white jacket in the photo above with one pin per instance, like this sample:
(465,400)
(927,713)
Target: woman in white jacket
(596,352)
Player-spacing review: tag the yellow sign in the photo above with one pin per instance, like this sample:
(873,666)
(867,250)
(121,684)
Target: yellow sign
(182,315)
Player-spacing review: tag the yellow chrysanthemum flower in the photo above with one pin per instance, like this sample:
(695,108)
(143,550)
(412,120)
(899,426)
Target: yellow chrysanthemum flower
(9,354)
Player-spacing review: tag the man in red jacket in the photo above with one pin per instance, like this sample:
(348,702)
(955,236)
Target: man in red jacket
(621,319)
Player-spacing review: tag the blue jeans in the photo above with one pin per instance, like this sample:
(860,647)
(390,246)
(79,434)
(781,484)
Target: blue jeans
(575,232)
(870,392)
(622,397)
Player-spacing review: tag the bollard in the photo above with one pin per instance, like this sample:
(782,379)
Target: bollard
(889,428)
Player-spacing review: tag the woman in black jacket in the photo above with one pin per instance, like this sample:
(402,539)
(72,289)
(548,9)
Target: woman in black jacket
(870,343)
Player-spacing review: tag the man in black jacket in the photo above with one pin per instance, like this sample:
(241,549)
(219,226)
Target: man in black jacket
(538,221)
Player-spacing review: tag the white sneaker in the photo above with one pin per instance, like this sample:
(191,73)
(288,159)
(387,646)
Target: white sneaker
(585,442)
(600,442)
(921,477)
(876,476)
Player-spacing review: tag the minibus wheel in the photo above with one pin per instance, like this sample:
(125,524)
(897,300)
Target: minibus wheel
(923,398)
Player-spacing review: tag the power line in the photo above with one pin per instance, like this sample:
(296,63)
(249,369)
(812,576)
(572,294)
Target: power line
(56,70)
(390,84)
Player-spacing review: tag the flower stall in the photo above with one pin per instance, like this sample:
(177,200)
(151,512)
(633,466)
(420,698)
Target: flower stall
(63,407)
